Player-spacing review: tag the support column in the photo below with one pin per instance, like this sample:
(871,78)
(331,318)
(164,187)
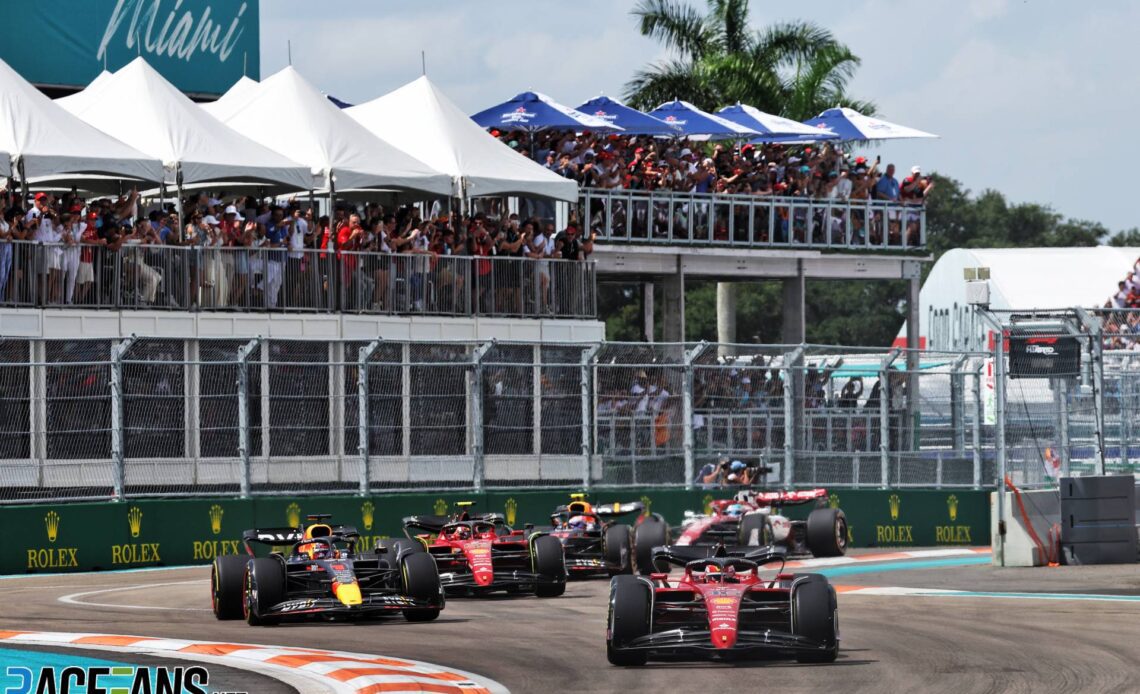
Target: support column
(794,331)
(118,428)
(648,329)
(673,310)
(912,271)
(726,317)
(243,356)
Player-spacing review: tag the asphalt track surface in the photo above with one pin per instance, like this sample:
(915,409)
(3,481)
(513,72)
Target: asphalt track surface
(907,643)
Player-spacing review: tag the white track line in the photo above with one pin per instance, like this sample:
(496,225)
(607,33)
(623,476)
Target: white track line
(74,598)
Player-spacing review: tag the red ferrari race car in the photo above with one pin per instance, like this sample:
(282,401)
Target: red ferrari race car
(753,518)
(722,608)
(481,554)
(322,574)
(596,544)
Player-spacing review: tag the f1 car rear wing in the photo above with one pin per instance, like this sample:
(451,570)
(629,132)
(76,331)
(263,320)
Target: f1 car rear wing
(288,536)
(613,510)
(747,556)
(781,498)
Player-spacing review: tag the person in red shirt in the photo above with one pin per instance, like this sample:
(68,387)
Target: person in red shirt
(348,237)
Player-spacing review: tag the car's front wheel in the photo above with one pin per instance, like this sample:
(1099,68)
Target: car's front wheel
(421,582)
(227,578)
(616,549)
(815,616)
(550,564)
(264,588)
(628,619)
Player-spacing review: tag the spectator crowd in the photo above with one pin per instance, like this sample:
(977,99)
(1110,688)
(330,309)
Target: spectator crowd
(242,252)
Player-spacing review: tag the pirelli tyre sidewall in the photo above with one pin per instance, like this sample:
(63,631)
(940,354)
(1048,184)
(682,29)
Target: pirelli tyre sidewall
(264,588)
(826,532)
(754,530)
(630,616)
(617,549)
(420,580)
(815,615)
(548,561)
(227,582)
(649,533)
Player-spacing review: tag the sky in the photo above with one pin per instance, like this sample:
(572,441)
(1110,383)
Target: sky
(1024,93)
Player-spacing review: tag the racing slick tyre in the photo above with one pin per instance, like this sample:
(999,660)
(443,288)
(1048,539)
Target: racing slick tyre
(421,581)
(628,619)
(616,549)
(227,579)
(827,532)
(651,532)
(754,530)
(549,562)
(815,616)
(264,588)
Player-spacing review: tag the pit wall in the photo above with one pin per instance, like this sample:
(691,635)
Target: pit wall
(175,532)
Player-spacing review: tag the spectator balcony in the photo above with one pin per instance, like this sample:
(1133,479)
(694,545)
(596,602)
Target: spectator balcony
(175,278)
(668,218)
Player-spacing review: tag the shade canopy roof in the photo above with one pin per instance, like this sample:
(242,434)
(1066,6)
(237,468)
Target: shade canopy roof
(138,106)
(534,111)
(632,121)
(47,141)
(289,115)
(774,128)
(697,124)
(420,119)
(851,125)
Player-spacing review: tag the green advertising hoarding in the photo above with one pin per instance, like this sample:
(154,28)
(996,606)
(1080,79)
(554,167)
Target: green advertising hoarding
(201,46)
(87,536)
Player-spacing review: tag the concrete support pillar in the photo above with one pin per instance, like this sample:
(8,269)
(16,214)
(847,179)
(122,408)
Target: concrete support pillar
(794,331)
(673,308)
(648,328)
(913,272)
(725,317)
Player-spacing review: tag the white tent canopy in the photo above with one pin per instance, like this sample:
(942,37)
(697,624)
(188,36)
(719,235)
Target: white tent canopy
(5,164)
(79,99)
(420,119)
(231,102)
(138,106)
(47,141)
(289,115)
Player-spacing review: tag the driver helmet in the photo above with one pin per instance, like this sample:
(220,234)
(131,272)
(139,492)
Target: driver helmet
(318,550)
(735,510)
(462,532)
(580,523)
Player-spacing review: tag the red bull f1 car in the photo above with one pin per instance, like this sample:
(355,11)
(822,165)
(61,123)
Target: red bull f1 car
(597,545)
(318,571)
(754,518)
(480,554)
(721,608)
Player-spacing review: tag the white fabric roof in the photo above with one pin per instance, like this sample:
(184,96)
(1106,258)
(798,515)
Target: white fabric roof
(5,164)
(138,106)
(81,98)
(49,141)
(232,101)
(420,119)
(289,115)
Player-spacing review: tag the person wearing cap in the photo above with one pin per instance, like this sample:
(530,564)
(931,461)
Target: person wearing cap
(913,191)
(235,258)
(276,237)
(91,244)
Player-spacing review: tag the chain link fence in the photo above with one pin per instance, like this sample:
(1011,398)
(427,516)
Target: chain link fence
(99,419)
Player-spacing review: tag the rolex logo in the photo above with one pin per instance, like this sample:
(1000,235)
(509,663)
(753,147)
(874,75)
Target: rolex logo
(894,501)
(51,524)
(952,506)
(134,520)
(511,510)
(440,507)
(833,501)
(216,513)
(647,503)
(707,501)
(293,515)
(367,511)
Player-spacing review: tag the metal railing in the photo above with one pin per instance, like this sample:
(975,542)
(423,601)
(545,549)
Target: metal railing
(262,279)
(749,221)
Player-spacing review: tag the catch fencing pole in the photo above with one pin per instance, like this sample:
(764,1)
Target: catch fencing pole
(584,383)
(791,383)
(477,412)
(118,440)
(243,356)
(885,418)
(1096,352)
(977,428)
(687,409)
(362,418)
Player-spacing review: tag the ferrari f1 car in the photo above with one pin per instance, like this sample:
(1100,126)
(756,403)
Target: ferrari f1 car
(481,554)
(754,518)
(596,544)
(721,608)
(322,573)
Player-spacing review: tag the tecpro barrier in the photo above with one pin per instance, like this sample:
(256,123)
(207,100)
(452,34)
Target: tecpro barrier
(123,535)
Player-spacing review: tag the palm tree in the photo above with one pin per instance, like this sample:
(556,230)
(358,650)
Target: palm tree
(794,69)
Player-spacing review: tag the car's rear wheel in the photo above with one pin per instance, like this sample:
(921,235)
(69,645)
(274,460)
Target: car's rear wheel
(549,563)
(649,533)
(264,588)
(628,619)
(616,549)
(815,616)
(754,530)
(827,532)
(227,577)
(421,582)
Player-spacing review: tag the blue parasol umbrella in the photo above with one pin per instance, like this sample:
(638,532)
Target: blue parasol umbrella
(629,119)
(850,125)
(697,124)
(774,128)
(532,112)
